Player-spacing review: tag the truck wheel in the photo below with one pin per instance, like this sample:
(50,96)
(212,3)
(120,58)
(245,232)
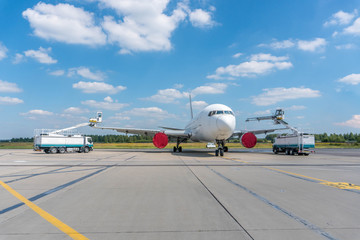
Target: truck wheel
(275,150)
(62,150)
(47,151)
(86,150)
(292,152)
(53,150)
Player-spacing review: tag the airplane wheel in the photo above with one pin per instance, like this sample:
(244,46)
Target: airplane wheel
(221,152)
(174,149)
(226,149)
(216,152)
(180,149)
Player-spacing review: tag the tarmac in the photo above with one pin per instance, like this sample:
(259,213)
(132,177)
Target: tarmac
(158,194)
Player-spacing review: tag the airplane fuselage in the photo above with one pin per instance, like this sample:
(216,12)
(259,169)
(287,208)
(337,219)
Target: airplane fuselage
(215,122)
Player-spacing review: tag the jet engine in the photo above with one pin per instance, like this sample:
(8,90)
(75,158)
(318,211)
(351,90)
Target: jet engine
(248,140)
(160,140)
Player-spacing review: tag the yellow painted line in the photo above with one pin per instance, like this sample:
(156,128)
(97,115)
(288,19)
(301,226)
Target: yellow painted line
(340,185)
(51,219)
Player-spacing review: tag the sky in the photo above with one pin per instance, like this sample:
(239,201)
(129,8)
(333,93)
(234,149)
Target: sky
(138,60)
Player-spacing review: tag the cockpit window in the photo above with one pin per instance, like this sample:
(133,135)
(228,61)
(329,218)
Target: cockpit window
(220,112)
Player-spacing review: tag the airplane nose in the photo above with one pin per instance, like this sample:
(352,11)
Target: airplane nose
(225,123)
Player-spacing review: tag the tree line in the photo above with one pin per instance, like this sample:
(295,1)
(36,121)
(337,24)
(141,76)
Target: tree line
(324,137)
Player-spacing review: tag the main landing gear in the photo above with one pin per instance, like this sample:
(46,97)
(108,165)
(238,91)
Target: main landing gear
(178,148)
(221,148)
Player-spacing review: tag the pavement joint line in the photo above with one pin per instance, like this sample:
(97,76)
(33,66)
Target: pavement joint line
(339,185)
(219,202)
(47,216)
(277,207)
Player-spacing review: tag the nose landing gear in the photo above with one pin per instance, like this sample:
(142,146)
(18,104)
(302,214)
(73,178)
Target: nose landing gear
(221,148)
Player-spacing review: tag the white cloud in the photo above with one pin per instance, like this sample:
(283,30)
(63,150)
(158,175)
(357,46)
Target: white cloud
(341,18)
(108,99)
(279,44)
(3,51)
(9,87)
(315,45)
(64,23)
(198,104)
(10,101)
(265,112)
(267,57)
(178,85)
(354,29)
(169,95)
(57,73)
(275,95)
(200,18)
(237,55)
(354,122)
(148,113)
(346,46)
(352,79)
(76,110)
(34,114)
(41,55)
(97,87)
(144,25)
(18,58)
(295,108)
(214,88)
(86,73)
(259,64)
(113,106)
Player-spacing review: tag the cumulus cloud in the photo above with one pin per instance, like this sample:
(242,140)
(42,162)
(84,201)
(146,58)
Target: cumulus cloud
(198,104)
(41,55)
(10,101)
(169,95)
(3,51)
(107,104)
(213,88)
(75,110)
(144,25)
(354,122)
(346,46)
(275,95)
(200,18)
(86,73)
(354,29)
(237,55)
(64,23)
(9,87)
(279,44)
(34,114)
(149,113)
(97,87)
(315,45)
(57,73)
(259,64)
(341,18)
(352,79)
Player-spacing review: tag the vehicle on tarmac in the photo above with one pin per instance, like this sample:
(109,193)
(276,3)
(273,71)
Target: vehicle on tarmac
(291,144)
(58,143)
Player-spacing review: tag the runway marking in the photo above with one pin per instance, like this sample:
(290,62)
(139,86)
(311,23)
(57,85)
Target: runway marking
(277,207)
(339,185)
(48,217)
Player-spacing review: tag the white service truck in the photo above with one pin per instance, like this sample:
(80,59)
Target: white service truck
(57,143)
(297,143)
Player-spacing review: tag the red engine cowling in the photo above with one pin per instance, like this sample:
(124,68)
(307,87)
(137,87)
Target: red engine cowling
(248,140)
(160,140)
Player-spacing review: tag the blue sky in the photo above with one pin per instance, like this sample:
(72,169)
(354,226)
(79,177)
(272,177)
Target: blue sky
(61,61)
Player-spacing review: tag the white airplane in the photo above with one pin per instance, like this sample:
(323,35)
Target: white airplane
(215,123)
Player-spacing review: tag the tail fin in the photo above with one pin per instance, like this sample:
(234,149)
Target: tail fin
(191,109)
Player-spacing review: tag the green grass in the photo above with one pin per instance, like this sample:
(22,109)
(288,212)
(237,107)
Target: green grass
(29,145)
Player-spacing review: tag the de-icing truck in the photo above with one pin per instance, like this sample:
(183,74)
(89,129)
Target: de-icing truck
(291,144)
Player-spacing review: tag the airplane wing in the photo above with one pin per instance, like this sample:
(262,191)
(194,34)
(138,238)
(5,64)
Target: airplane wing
(264,131)
(148,132)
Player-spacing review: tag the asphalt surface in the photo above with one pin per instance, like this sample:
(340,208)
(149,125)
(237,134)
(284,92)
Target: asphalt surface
(157,194)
